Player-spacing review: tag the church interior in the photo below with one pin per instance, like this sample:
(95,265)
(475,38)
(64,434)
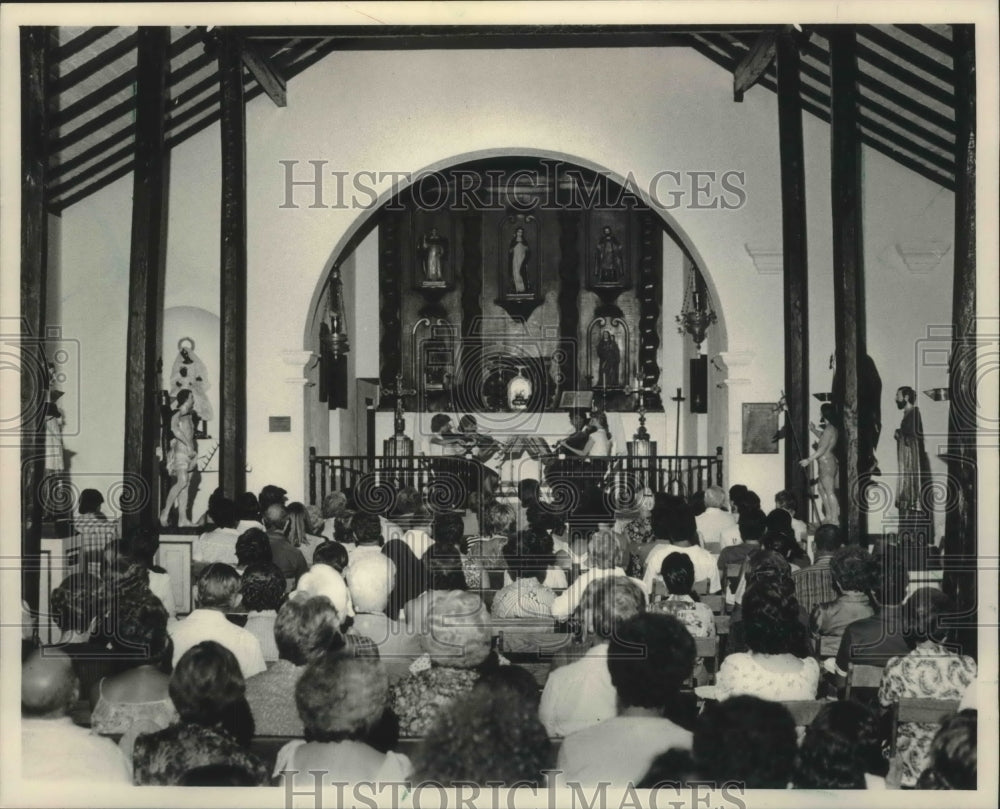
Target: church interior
(515,320)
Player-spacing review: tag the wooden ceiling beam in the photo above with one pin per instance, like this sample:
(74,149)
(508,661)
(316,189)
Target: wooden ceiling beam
(909,54)
(103,59)
(930,38)
(264,71)
(756,62)
(78,43)
(902,74)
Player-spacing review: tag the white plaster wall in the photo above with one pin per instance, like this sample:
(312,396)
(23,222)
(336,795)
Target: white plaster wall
(638,111)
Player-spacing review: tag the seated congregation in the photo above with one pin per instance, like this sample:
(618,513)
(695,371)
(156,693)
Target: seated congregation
(701,642)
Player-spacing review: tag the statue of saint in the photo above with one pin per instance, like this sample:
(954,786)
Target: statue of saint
(189,373)
(826,460)
(609,266)
(608,361)
(181,457)
(433,248)
(914,467)
(517,262)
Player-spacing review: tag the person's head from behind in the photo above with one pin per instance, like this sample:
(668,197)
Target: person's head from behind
(828,539)
(440,423)
(444,567)
(650,657)
(270,495)
(370,579)
(677,570)
(367,529)
(516,679)
(448,528)
(140,635)
(253,547)
(334,504)
(603,551)
(891,577)
(851,567)
(247,507)
(767,565)
(91,501)
(457,634)
(490,734)
(307,627)
(786,499)
(770,615)
(779,521)
(49,686)
(736,494)
(76,603)
(498,518)
(752,524)
(530,554)
(297,524)
(715,497)
(747,740)
(924,617)
(143,544)
(609,602)
(331,553)
(952,763)
(275,517)
(683,527)
(841,744)
(313,520)
(747,500)
(222,512)
(322,580)
(262,587)
(218,588)
(207,685)
(468,424)
(341,698)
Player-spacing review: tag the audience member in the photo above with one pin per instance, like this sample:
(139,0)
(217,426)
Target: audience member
(581,694)
(136,700)
(306,628)
(952,759)
(369,579)
(745,740)
(751,526)
(289,560)
(771,669)
(247,513)
(252,547)
(262,589)
(271,495)
(931,670)
(842,749)
(851,568)
(489,735)
(323,580)
(604,555)
(334,511)
(714,520)
(218,592)
(53,749)
(77,605)
(410,578)
(340,701)
(448,530)
(780,537)
(332,554)
(367,536)
(785,499)
(680,531)
(444,567)
(741,500)
(215,724)
(300,533)
(529,556)
(814,583)
(456,642)
(681,602)
(141,547)
(219,543)
(649,659)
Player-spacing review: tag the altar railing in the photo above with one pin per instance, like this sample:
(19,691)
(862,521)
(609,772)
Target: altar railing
(446,480)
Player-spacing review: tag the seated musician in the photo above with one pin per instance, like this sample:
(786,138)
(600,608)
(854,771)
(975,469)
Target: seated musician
(443,441)
(480,445)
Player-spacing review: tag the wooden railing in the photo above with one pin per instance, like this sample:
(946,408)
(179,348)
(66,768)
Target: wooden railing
(376,480)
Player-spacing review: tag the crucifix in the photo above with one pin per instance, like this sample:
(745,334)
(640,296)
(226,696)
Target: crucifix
(677,424)
(399,443)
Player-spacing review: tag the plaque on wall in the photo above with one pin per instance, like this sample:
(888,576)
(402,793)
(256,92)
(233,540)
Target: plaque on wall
(760,423)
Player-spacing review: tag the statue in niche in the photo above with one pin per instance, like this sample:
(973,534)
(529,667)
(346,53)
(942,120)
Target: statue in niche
(608,361)
(433,250)
(189,373)
(609,265)
(181,458)
(518,253)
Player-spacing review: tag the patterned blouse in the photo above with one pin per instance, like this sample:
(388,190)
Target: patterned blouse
(930,671)
(163,758)
(697,617)
(774,677)
(130,719)
(524,598)
(418,698)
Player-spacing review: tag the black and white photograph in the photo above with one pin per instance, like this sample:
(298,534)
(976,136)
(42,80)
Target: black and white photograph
(341,461)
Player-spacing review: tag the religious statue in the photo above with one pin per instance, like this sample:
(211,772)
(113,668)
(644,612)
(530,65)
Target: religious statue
(433,248)
(181,457)
(55,455)
(608,361)
(517,263)
(189,373)
(608,265)
(914,467)
(825,456)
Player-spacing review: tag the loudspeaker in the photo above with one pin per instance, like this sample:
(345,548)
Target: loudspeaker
(699,384)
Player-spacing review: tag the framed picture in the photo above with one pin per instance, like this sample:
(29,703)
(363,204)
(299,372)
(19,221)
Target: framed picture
(760,423)
(609,243)
(519,249)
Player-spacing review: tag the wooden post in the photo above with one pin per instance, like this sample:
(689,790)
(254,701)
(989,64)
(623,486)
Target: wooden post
(146,270)
(796,271)
(34,250)
(960,522)
(232,395)
(848,269)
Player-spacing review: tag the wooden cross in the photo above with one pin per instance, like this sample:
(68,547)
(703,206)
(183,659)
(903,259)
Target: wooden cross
(398,391)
